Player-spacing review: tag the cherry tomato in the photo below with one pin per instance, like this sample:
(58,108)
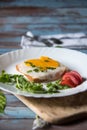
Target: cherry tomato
(71,79)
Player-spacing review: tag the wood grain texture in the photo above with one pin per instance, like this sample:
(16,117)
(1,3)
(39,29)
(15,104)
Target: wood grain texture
(40,17)
(57,109)
(27,125)
(16,124)
(45,3)
(43,11)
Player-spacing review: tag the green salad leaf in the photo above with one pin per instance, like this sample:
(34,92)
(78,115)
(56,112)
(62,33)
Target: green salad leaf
(23,84)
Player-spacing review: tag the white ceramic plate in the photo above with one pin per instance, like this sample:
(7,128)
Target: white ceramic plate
(75,60)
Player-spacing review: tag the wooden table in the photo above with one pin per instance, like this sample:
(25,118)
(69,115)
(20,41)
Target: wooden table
(42,18)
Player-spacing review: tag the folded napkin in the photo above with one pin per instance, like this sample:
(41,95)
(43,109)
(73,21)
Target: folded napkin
(71,40)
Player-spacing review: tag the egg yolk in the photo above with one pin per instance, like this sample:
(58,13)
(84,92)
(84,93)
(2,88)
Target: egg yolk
(43,62)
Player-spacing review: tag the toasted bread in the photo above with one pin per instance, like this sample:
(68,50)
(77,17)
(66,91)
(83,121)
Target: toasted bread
(43,69)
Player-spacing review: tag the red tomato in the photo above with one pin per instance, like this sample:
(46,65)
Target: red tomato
(68,82)
(71,79)
(77,75)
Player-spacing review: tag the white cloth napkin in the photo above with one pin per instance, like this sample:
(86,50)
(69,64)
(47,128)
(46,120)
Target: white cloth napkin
(70,40)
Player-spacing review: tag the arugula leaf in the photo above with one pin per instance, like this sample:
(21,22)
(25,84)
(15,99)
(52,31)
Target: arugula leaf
(24,85)
(32,87)
(21,83)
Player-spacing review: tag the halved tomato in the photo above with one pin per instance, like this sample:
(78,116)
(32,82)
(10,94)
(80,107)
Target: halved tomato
(71,79)
(77,75)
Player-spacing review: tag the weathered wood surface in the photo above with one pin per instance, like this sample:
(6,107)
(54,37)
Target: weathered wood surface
(24,124)
(42,18)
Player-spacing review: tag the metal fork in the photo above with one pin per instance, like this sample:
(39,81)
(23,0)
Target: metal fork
(49,42)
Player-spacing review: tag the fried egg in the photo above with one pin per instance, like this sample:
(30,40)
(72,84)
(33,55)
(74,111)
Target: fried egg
(43,69)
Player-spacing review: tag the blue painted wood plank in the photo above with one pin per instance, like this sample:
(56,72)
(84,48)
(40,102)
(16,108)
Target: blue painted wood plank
(25,20)
(18,112)
(84,51)
(44,29)
(16,124)
(12,101)
(5,50)
(44,3)
(10,41)
(38,11)
(57,29)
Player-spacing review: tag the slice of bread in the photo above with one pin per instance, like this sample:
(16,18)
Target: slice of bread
(43,69)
